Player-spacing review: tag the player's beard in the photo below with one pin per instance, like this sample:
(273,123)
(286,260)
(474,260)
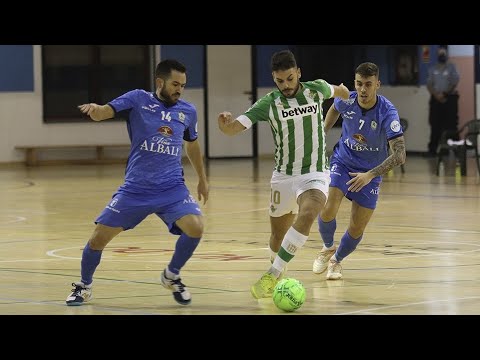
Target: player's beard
(167,98)
(294,92)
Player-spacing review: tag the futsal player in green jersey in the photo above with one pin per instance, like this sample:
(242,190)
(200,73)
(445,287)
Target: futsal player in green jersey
(300,179)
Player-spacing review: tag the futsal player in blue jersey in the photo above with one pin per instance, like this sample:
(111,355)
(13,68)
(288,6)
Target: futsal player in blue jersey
(370,124)
(158,123)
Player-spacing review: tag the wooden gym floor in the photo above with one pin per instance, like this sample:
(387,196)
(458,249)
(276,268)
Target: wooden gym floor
(420,253)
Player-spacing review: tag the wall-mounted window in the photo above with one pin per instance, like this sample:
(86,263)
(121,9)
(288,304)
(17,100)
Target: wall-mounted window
(405,65)
(78,74)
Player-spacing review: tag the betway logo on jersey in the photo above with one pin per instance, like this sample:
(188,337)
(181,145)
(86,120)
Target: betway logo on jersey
(304,110)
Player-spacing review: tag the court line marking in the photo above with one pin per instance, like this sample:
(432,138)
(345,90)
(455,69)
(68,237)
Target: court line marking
(53,253)
(367,310)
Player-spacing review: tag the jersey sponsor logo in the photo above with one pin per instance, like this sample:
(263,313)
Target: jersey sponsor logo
(304,110)
(395,126)
(161,147)
(360,138)
(375,191)
(149,108)
(333,170)
(165,131)
(356,146)
(348,114)
(189,200)
(348,101)
(112,205)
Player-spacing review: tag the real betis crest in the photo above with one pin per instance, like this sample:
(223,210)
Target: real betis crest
(311,94)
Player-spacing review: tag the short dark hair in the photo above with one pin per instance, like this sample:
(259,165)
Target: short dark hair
(165,67)
(367,69)
(283,60)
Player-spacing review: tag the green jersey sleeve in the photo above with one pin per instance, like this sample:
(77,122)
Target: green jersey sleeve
(322,86)
(260,110)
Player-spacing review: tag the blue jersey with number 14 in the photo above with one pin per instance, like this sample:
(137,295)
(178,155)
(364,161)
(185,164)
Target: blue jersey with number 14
(157,132)
(363,144)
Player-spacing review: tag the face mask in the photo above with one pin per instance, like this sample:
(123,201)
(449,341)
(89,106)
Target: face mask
(442,58)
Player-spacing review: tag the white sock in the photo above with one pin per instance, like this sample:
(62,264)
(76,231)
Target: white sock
(292,241)
(273,254)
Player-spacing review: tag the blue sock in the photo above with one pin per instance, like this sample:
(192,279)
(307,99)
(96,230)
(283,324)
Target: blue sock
(327,230)
(184,249)
(347,245)
(90,261)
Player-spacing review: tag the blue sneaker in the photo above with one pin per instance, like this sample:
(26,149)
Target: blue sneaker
(180,291)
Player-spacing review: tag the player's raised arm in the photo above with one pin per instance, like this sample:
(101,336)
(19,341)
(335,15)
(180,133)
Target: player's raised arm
(341,91)
(97,112)
(228,125)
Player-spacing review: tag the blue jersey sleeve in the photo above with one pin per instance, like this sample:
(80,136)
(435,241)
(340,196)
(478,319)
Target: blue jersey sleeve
(392,126)
(191,132)
(124,102)
(342,104)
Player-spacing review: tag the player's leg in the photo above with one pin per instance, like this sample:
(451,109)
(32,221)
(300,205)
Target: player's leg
(311,191)
(183,218)
(327,223)
(121,213)
(279,227)
(92,253)
(364,203)
(283,209)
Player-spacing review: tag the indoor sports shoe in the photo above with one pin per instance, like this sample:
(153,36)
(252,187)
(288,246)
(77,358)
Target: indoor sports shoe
(80,294)
(334,270)
(179,290)
(320,264)
(263,288)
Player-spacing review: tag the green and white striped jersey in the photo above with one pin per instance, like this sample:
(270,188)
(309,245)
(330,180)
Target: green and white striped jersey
(297,126)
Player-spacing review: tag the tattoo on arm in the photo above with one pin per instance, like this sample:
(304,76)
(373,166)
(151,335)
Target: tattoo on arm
(397,157)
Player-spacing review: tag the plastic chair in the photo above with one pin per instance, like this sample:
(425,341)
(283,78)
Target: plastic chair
(460,148)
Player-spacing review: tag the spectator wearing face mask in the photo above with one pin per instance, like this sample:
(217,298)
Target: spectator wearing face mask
(442,81)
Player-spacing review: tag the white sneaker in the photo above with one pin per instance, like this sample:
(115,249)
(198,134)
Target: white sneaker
(334,270)
(80,294)
(179,290)
(320,264)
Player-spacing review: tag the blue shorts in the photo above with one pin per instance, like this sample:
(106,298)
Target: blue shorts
(366,197)
(128,209)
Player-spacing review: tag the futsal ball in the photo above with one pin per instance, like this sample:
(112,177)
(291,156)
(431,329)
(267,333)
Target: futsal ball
(289,294)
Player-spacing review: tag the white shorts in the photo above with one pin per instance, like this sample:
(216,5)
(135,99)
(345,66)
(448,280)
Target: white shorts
(285,189)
